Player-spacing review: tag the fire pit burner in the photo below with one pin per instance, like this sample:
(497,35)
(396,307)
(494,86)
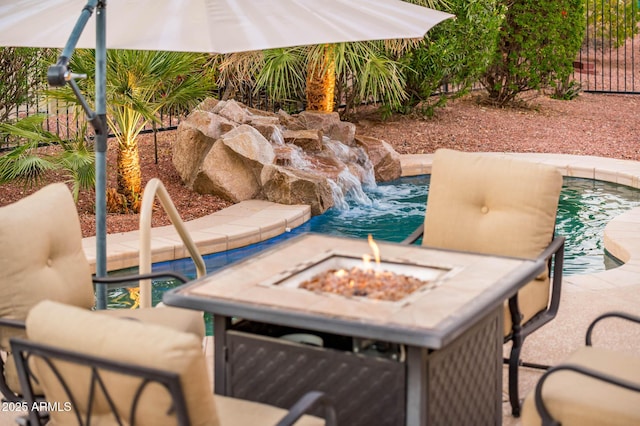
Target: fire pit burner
(372,283)
(340,274)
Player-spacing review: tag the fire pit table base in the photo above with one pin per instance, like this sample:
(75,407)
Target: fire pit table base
(458,384)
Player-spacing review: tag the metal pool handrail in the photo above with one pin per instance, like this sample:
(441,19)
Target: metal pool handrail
(156,188)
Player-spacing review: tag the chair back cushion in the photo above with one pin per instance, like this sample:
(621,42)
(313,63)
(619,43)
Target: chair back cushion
(41,255)
(127,341)
(494,204)
(41,258)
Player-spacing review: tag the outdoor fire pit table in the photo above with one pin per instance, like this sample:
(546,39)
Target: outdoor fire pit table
(433,356)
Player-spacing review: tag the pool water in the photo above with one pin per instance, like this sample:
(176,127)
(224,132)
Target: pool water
(397,208)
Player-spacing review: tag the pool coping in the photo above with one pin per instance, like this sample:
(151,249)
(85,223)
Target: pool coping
(253,221)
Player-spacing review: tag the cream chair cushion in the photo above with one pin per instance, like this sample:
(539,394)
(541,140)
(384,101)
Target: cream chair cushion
(577,400)
(494,204)
(134,342)
(137,343)
(238,412)
(41,258)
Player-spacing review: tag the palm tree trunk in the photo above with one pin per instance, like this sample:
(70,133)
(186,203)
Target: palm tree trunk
(321,82)
(129,174)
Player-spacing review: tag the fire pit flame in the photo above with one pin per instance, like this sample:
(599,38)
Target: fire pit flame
(340,273)
(375,249)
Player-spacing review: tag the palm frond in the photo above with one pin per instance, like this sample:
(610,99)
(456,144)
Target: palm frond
(23,164)
(283,74)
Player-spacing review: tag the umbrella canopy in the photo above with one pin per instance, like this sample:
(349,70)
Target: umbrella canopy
(215,26)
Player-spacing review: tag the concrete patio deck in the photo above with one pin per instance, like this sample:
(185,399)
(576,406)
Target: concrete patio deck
(583,298)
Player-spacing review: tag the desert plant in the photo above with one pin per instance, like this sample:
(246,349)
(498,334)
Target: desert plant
(351,71)
(27,163)
(537,45)
(348,72)
(139,85)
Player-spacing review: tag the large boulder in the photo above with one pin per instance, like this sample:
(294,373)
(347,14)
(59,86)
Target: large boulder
(288,186)
(330,124)
(227,174)
(342,131)
(249,143)
(195,136)
(385,160)
(319,120)
(209,105)
(233,111)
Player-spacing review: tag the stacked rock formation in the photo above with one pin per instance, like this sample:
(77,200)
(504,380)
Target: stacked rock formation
(239,153)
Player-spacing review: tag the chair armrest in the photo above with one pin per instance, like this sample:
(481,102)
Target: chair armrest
(413,237)
(127,278)
(554,255)
(623,315)
(542,409)
(307,402)
(13,323)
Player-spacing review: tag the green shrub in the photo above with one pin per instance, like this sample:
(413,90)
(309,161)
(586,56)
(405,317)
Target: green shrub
(538,43)
(21,71)
(455,53)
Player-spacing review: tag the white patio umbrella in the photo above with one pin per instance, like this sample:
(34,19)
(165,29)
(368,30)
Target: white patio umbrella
(214,26)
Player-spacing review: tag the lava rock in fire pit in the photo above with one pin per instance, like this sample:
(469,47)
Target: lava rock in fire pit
(370,283)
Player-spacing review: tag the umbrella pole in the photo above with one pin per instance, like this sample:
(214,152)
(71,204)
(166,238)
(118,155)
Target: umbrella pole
(59,75)
(101,154)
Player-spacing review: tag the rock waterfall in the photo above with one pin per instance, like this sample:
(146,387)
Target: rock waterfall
(239,153)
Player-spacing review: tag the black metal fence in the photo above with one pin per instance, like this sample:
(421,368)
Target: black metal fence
(609,61)
(65,121)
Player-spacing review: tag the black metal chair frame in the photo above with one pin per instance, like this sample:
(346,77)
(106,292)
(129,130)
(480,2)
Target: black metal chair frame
(8,394)
(554,255)
(547,419)
(24,349)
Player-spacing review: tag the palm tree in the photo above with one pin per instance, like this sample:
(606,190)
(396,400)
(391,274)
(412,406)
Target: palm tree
(352,72)
(139,85)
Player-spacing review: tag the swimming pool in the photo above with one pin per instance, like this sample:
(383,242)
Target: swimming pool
(396,208)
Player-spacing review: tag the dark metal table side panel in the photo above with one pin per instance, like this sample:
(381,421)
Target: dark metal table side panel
(365,390)
(465,377)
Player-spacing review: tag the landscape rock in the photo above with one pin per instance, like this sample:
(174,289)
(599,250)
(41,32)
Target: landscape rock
(227,174)
(233,111)
(385,160)
(249,144)
(308,140)
(287,186)
(312,120)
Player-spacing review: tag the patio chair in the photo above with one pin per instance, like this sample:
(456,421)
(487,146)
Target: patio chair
(594,386)
(498,205)
(41,258)
(96,369)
